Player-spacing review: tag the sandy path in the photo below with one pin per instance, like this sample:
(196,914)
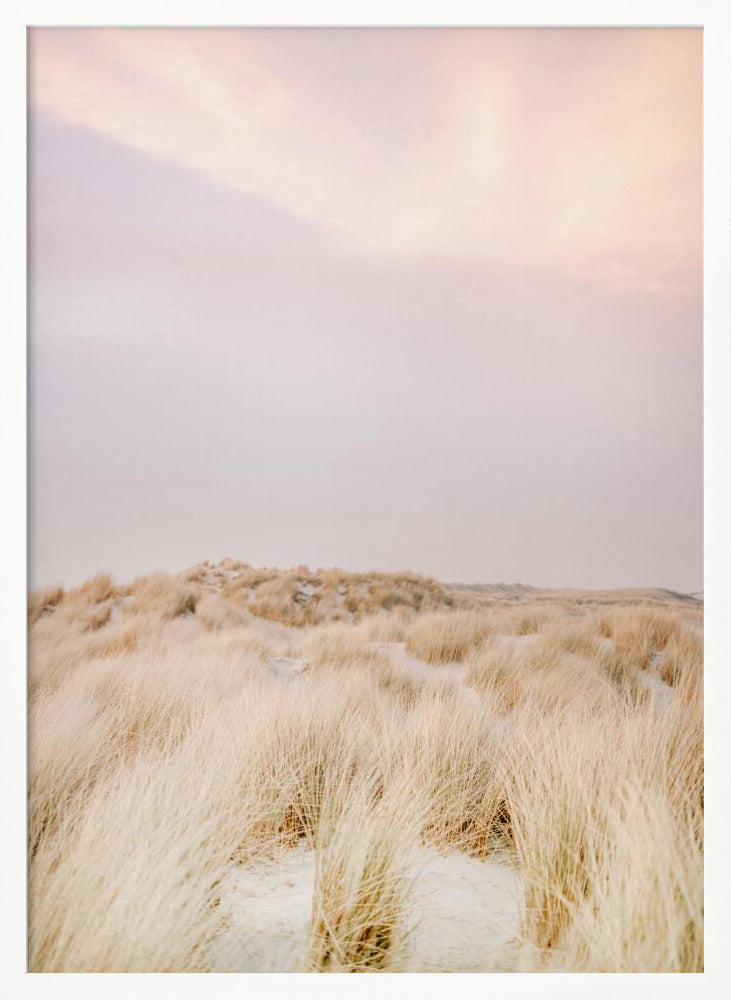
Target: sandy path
(414,667)
(462,915)
(466,913)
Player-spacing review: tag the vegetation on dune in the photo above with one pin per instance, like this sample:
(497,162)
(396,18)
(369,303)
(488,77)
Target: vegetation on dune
(302,596)
(165,750)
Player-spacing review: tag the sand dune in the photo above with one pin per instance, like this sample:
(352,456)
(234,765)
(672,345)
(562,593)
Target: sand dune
(236,769)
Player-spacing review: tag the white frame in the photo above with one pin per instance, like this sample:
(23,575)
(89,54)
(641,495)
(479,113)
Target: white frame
(715,18)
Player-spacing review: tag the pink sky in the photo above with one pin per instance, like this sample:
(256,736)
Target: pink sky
(396,298)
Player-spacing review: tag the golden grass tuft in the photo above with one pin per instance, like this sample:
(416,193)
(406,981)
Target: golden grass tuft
(165,596)
(442,637)
(97,589)
(361,882)
(41,601)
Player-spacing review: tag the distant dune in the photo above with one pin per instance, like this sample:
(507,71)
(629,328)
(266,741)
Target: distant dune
(623,595)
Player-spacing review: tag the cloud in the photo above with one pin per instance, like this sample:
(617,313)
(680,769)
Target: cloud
(577,150)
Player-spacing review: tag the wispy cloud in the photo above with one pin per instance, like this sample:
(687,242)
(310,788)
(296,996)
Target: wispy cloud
(574,150)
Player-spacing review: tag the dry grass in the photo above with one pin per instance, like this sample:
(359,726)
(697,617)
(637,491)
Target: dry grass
(165,596)
(164,751)
(217,614)
(443,637)
(638,633)
(42,601)
(361,885)
(99,588)
(301,596)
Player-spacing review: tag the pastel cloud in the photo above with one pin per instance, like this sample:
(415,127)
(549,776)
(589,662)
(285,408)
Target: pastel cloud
(578,151)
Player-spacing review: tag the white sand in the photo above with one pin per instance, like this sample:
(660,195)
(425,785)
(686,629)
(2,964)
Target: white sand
(413,666)
(466,913)
(462,915)
(119,604)
(660,692)
(514,643)
(270,907)
(286,666)
(340,602)
(305,592)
